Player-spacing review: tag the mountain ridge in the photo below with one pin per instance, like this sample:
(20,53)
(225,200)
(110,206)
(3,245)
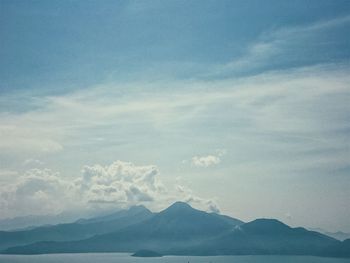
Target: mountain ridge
(183,230)
(77,230)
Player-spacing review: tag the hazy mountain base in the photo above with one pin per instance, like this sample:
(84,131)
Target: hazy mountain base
(79,230)
(33,221)
(182,230)
(126,258)
(146,254)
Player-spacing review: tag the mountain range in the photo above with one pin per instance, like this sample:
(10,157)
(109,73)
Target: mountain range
(337,235)
(81,229)
(177,230)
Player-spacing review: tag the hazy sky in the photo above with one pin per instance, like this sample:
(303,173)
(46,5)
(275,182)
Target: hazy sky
(237,106)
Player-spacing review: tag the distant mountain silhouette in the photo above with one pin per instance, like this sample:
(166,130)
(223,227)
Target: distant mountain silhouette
(133,211)
(337,235)
(78,230)
(182,230)
(267,236)
(32,221)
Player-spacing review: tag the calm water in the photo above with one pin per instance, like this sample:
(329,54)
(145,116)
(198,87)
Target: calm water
(126,258)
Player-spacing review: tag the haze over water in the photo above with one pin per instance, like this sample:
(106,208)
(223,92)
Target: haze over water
(126,258)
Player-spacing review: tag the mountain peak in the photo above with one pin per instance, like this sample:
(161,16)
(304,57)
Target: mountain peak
(178,209)
(268,222)
(179,205)
(265,225)
(137,208)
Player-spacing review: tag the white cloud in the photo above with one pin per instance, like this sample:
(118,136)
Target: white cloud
(207,160)
(120,182)
(37,191)
(118,185)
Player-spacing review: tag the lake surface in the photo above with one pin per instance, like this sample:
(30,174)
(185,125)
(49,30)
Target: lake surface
(126,258)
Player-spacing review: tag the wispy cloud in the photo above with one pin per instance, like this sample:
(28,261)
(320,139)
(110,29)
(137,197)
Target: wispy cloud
(303,108)
(285,47)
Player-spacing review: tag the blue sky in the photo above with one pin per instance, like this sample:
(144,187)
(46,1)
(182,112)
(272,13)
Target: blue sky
(238,106)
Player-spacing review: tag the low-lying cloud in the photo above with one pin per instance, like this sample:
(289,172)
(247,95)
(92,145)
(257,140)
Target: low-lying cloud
(120,182)
(118,185)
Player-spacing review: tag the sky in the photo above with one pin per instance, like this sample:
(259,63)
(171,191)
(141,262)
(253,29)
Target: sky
(239,107)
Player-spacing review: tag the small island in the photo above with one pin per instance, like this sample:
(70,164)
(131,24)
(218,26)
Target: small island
(146,253)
